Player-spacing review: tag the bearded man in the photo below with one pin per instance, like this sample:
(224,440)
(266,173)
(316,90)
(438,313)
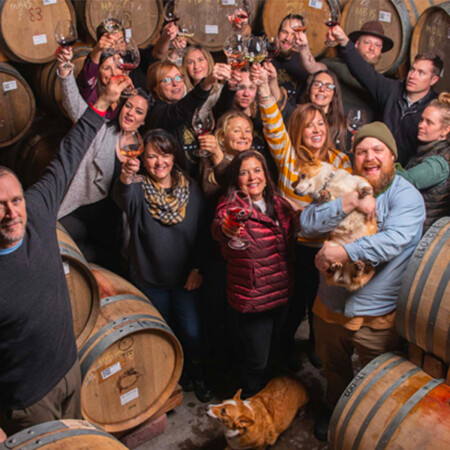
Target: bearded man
(363,320)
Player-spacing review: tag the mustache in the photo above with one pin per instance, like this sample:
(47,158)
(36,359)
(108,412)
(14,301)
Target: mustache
(8,223)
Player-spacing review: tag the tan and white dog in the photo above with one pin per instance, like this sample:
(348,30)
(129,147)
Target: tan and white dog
(257,422)
(323,183)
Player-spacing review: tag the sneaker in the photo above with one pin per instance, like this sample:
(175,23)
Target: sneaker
(202,391)
(321,425)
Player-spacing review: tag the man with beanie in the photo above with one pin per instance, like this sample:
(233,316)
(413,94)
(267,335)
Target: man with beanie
(363,320)
(401,102)
(371,42)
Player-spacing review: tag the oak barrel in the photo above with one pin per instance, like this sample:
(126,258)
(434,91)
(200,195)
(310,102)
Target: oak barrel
(431,34)
(46,84)
(210,18)
(132,361)
(62,435)
(27,28)
(37,148)
(316,12)
(398,19)
(392,404)
(423,306)
(82,286)
(17,105)
(144,16)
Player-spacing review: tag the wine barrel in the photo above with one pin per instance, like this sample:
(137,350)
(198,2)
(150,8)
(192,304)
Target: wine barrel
(47,86)
(62,435)
(392,404)
(82,285)
(431,34)
(423,306)
(132,361)
(35,151)
(210,17)
(27,28)
(398,19)
(144,16)
(17,105)
(316,13)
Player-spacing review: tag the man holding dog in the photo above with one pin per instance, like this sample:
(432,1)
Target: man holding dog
(363,320)
(401,102)
(39,370)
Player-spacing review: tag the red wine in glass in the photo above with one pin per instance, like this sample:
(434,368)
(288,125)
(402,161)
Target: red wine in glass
(66,42)
(202,123)
(239,210)
(330,23)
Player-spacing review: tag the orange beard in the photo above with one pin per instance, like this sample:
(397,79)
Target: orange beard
(386,176)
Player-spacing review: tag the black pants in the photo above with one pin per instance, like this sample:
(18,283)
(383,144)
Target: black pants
(260,336)
(306,286)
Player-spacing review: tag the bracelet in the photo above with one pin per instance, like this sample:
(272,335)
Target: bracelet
(265,97)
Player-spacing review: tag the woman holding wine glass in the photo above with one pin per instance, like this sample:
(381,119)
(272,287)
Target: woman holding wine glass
(307,128)
(87,212)
(324,91)
(166,217)
(260,272)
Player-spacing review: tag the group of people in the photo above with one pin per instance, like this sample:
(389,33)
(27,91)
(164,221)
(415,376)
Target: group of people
(163,220)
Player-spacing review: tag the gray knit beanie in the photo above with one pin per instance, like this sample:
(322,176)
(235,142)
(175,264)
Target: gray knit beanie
(379,131)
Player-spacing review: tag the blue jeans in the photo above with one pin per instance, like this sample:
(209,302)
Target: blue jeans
(180,308)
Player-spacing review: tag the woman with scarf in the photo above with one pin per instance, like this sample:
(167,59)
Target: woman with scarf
(165,212)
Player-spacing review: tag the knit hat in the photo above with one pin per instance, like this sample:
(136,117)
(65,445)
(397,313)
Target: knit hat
(379,131)
(373,28)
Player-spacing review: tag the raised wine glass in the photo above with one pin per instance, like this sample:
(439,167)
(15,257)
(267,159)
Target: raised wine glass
(233,47)
(271,47)
(171,13)
(128,59)
(356,118)
(203,123)
(239,209)
(333,20)
(66,35)
(254,49)
(299,26)
(131,146)
(186,27)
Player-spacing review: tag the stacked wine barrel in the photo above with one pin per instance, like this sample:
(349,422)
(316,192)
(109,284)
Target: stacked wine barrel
(396,402)
(130,359)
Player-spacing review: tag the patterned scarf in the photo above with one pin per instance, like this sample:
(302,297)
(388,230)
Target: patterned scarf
(168,208)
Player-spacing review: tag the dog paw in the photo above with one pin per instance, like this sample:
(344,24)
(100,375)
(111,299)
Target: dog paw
(365,190)
(324,196)
(358,269)
(334,267)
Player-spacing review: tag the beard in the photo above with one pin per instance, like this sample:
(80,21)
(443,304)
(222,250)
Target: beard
(386,176)
(373,61)
(11,238)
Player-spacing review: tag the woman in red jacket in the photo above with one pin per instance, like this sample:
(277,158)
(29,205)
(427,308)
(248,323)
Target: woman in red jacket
(260,277)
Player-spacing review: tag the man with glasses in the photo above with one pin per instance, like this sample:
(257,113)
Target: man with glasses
(371,42)
(401,102)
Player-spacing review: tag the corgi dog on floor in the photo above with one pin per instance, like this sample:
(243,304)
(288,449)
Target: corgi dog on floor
(257,422)
(323,183)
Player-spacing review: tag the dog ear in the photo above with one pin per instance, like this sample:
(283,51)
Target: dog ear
(306,155)
(245,421)
(237,396)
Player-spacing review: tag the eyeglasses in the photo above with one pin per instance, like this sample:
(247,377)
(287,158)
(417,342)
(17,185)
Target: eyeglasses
(176,79)
(328,86)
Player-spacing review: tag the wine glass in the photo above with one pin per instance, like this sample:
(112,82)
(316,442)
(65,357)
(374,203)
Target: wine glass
(128,59)
(113,21)
(171,12)
(233,47)
(356,118)
(299,26)
(186,27)
(254,49)
(203,123)
(239,209)
(333,20)
(66,35)
(131,146)
(271,47)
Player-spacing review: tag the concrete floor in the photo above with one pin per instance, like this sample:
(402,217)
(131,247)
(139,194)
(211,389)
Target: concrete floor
(188,426)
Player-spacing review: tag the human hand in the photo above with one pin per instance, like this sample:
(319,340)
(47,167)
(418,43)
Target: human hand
(179,43)
(366,205)
(231,228)
(130,167)
(238,20)
(106,42)
(208,142)
(300,41)
(194,280)
(337,34)
(328,254)
(271,71)
(64,57)
(170,30)
(235,79)
(221,72)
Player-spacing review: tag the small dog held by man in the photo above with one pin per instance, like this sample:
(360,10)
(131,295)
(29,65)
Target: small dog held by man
(323,183)
(257,422)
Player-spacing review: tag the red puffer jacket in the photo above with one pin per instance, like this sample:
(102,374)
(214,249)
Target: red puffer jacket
(260,277)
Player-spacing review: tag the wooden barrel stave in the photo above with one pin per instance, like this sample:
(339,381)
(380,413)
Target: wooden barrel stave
(315,12)
(132,361)
(431,35)
(145,16)
(17,105)
(61,435)
(423,306)
(82,285)
(387,405)
(28,28)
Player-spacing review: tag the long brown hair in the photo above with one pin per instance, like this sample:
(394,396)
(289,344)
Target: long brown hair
(156,72)
(297,123)
(187,79)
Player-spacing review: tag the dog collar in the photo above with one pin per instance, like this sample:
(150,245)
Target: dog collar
(329,178)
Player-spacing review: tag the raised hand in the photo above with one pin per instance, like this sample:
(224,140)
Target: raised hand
(130,168)
(64,58)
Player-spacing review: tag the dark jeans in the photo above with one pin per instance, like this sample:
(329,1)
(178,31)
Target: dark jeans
(260,337)
(306,286)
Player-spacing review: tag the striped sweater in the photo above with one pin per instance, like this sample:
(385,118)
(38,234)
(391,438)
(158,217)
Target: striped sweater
(286,158)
